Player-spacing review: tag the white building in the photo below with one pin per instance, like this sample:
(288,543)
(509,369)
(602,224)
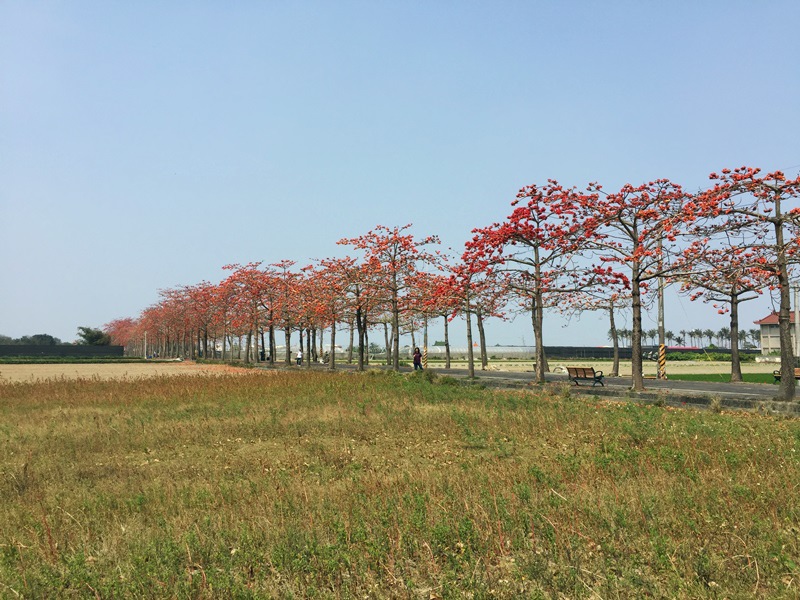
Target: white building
(770,336)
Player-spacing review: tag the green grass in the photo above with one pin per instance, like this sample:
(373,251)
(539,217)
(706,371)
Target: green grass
(317,485)
(723,377)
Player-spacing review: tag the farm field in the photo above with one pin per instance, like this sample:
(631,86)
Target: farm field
(124,371)
(315,485)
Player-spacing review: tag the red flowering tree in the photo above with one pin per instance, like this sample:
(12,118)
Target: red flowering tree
(462,287)
(439,300)
(726,276)
(538,245)
(637,230)
(123,332)
(285,301)
(763,212)
(333,277)
(251,289)
(392,257)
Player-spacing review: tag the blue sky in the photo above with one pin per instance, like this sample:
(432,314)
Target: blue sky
(143,145)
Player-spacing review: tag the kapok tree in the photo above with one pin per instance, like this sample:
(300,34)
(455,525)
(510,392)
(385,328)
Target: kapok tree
(430,299)
(392,257)
(637,230)
(286,301)
(441,301)
(725,275)
(201,300)
(765,208)
(251,286)
(608,296)
(123,332)
(463,284)
(538,245)
(333,279)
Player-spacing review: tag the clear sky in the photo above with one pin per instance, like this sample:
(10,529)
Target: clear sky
(144,145)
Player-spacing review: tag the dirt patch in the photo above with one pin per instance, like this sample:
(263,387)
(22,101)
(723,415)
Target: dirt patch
(32,373)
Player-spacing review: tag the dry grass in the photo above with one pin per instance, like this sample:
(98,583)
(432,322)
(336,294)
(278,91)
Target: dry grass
(42,372)
(322,485)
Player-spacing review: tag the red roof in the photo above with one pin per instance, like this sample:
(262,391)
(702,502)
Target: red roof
(772,319)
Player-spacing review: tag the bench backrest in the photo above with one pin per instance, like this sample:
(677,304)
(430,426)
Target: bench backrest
(580,371)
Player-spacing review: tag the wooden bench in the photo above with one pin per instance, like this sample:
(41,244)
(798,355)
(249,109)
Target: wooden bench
(777,374)
(577,374)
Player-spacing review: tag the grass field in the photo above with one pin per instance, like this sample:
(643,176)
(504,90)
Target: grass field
(724,377)
(318,485)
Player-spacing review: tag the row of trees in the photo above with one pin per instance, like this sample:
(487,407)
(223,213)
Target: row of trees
(693,337)
(559,249)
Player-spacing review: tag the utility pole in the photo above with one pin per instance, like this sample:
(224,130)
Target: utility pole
(796,321)
(662,334)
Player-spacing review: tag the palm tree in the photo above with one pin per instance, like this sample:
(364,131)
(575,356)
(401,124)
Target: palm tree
(683,337)
(709,335)
(724,336)
(670,337)
(743,335)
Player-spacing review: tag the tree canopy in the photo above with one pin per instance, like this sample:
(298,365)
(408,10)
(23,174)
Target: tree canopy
(93,337)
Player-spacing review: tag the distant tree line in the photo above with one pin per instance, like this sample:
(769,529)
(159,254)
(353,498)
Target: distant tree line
(40,339)
(87,336)
(706,338)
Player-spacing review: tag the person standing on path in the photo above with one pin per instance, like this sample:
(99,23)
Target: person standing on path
(417,359)
(300,357)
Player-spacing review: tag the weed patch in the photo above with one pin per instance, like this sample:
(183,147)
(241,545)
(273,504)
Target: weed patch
(383,485)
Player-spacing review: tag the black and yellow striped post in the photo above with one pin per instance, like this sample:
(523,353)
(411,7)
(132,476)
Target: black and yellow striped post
(662,361)
(424,357)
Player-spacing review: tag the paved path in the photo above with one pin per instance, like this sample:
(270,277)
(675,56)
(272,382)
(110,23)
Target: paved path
(749,396)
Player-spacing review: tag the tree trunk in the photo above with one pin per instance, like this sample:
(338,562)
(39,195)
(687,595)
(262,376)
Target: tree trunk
(482,340)
(736,364)
(247,349)
(637,377)
(350,349)
(470,354)
(614,342)
(272,345)
(263,345)
(309,348)
(395,324)
(366,341)
(360,326)
(387,343)
(332,364)
(537,321)
(287,333)
(787,384)
(446,343)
